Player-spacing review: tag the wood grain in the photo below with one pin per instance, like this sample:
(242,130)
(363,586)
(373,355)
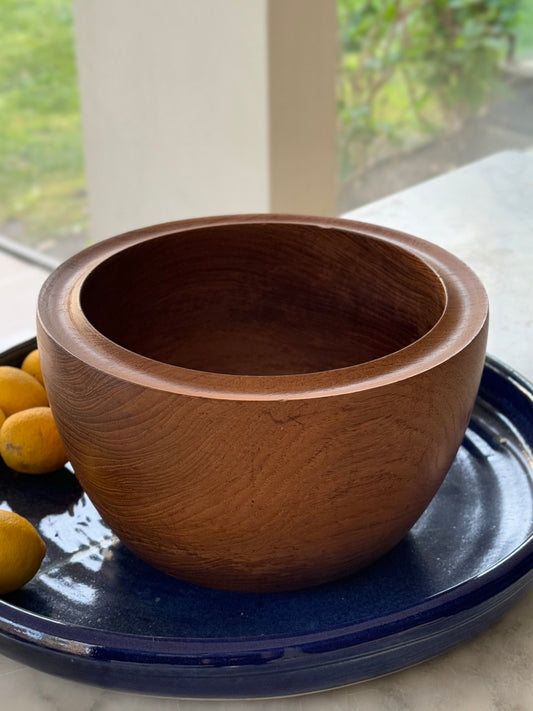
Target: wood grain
(262,402)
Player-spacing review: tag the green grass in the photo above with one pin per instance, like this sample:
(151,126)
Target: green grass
(42,183)
(524,32)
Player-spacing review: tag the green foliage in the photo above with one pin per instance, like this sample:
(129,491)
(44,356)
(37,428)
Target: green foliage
(524,30)
(41,165)
(414,66)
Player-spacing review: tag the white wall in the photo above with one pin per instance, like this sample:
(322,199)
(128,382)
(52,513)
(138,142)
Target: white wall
(196,107)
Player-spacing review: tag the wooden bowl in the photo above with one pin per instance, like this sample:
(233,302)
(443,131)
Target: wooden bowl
(262,402)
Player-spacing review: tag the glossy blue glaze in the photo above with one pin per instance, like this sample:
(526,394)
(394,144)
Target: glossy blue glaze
(98,614)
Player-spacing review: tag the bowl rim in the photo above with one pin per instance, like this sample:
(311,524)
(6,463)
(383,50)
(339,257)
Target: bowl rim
(61,318)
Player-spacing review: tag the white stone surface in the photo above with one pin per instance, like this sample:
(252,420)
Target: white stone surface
(20,283)
(484,213)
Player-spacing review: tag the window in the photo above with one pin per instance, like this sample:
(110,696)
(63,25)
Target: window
(425,86)
(42,183)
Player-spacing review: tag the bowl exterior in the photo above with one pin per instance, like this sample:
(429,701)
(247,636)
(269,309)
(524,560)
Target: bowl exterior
(255,494)
(262,482)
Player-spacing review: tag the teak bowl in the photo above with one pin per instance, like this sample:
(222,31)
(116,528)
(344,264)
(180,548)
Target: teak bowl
(262,402)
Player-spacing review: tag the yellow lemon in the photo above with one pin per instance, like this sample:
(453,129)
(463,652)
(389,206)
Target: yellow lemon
(19,390)
(32,365)
(30,442)
(21,551)
(2,417)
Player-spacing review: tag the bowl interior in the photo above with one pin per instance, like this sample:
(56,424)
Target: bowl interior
(263,299)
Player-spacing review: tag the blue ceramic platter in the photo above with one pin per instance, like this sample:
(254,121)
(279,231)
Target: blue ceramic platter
(95,613)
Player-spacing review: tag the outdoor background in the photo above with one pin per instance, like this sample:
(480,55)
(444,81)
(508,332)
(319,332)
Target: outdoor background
(423,86)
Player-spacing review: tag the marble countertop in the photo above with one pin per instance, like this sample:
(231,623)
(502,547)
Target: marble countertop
(484,214)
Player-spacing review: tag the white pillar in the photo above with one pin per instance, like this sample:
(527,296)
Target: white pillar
(199,107)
